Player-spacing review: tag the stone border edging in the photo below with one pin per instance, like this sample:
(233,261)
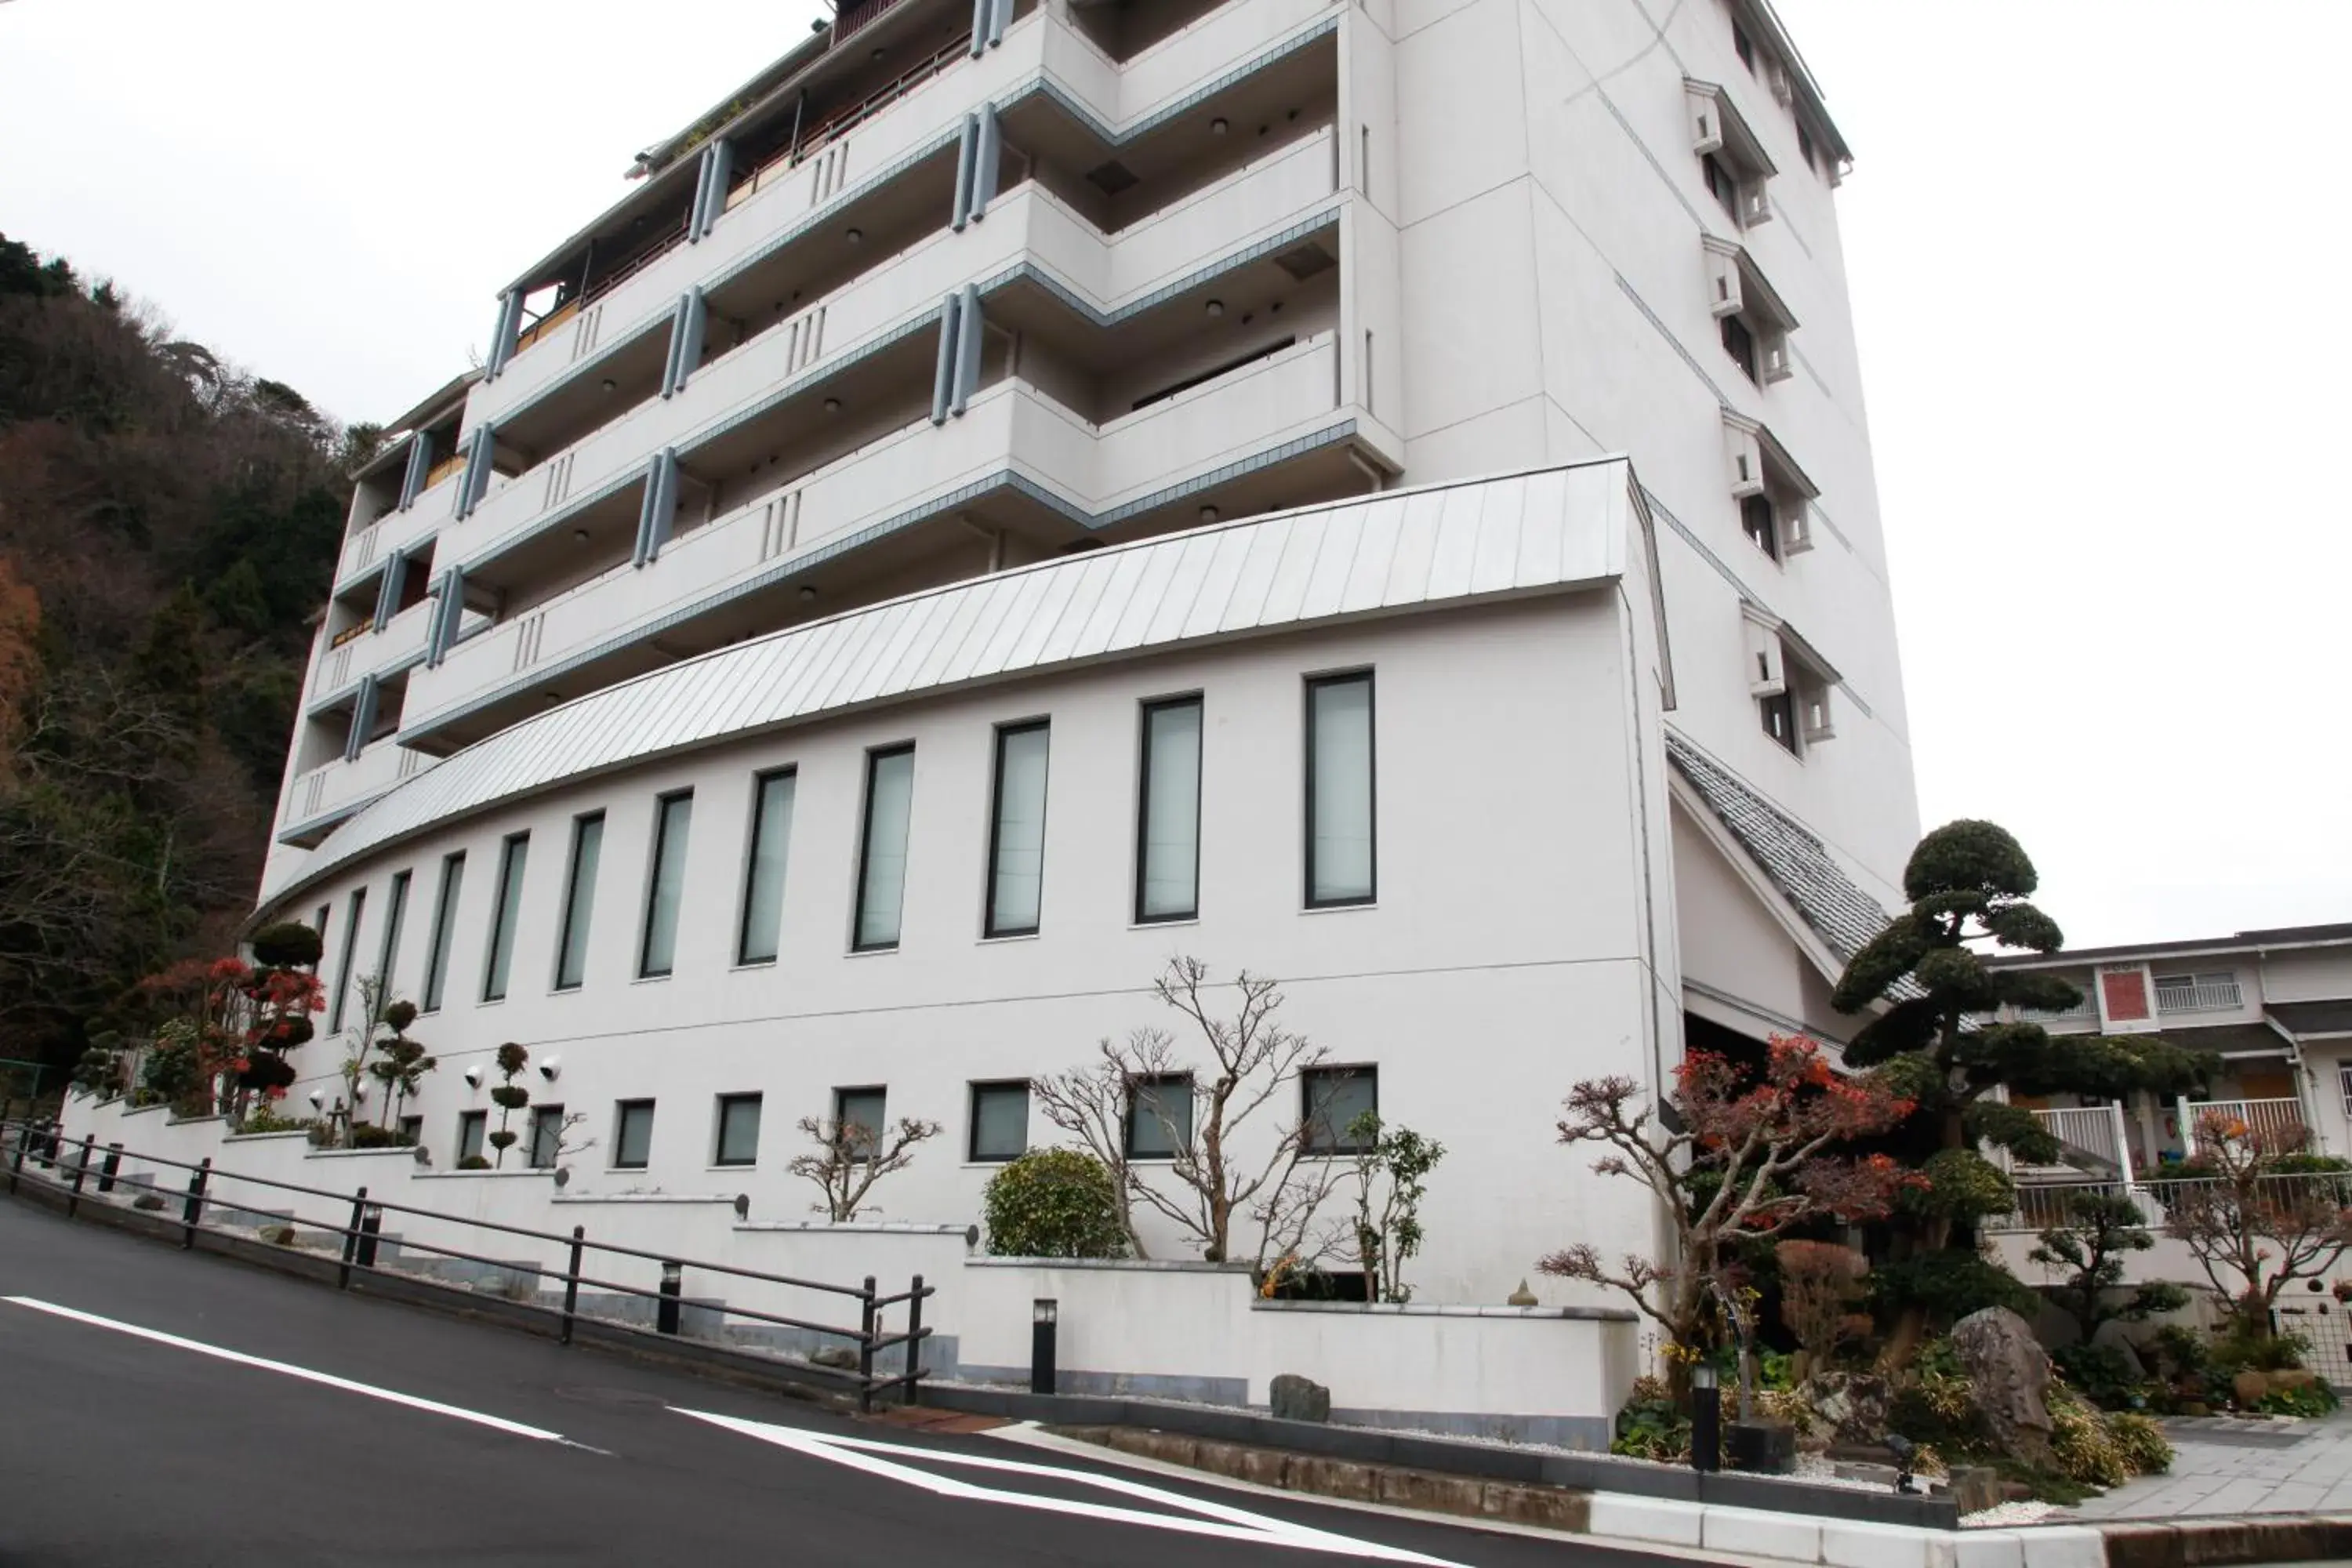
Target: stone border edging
(2189,1543)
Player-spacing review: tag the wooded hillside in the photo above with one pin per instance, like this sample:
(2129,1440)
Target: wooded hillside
(168,525)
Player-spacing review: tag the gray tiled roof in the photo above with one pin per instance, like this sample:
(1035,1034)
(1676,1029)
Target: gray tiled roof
(1844,916)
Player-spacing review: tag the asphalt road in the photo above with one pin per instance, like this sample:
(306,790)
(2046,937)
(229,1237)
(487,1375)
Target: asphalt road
(158,1408)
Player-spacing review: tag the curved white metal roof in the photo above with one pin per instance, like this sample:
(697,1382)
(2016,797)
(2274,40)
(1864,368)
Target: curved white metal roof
(1383,554)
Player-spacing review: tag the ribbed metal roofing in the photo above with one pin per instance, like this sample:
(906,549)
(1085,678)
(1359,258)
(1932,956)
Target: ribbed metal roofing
(1385,554)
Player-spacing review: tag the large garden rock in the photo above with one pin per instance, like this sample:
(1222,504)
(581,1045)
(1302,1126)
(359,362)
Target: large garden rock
(2251,1388)
(1852,1406)
(1297,1398)
(2009,1378)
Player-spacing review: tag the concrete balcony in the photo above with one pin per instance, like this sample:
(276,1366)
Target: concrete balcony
(400,642)
(906,511)
(333,790)
(365,550)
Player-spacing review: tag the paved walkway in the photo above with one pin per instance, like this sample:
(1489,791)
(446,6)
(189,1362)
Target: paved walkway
(2224,1465)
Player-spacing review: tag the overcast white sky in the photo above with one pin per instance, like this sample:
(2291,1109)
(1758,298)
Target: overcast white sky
(2097,252)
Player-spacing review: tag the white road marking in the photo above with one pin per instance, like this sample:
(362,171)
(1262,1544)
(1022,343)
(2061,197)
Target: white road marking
(496,1423)
(1211,1519)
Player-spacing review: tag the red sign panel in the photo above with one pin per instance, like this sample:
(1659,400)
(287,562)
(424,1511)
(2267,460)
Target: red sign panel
(2124,994)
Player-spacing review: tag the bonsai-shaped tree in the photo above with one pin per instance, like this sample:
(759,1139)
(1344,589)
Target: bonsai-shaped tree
(1743,1157)
(2259,1213)
(400,1063)
(1389,1166)
(508,1096)
(851,1157)
(281,991)
(1252,1060)
(1970,882)
(2095,1245)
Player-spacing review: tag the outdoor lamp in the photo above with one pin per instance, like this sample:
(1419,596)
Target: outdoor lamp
(1707,1419)
(1043,1313)
(1045,1309)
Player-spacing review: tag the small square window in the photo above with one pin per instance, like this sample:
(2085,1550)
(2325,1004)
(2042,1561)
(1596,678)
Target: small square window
(546,1136)
(411,1131)
(1000,1121)
(738,1129)
(1330,1101)
(1159,1116)
(633,1135)
(473,1127)
(863,1115)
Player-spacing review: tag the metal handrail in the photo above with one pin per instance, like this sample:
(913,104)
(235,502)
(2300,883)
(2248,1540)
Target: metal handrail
(361,1233)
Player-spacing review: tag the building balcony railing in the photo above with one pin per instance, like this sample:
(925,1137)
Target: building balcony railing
(2197,996)
(2269,1119)
(401,640)
(339,787)
(2165,1203)
(396,530)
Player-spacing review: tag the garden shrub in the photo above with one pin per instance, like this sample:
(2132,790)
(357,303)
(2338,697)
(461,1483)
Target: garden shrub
(1054,1203)
(2140,1440)
(2101,1374)
(2081,1444)
(1650,1426)
(2312,1399)
(474,1163)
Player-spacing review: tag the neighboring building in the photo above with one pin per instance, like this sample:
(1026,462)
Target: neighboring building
(1024,489)
(2275,1005)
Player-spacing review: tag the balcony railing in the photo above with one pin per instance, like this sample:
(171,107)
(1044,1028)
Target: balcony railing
(2096,1131)
(2162,1203)
(2197,996)
(2264,1119)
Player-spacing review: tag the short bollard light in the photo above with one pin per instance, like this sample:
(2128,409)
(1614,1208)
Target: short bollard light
(673,1283)
(1043,1313)
(1707,1419)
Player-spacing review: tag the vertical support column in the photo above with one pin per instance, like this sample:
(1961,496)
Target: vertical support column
(943,378)
(2122,1143)
(387,593)
(479,450)
(659,507)
(987,152)
(362,718)
(192,1211)
(710,189)
(420,463)
(686,326)
(966,146)
(503,335)
(999,12)
(982,11)
(967,380)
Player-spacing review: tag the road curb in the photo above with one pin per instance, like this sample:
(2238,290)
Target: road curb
(2192,1544)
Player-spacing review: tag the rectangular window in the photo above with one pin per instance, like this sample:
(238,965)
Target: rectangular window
(665,888)
(882,847)
(445,923)
(1780,712)
(863,1117)
(739,1130)
(763,873)
(1168,816)
(1330,1100)
(2344,1082)
(1000,1121)
(351,953)
(1742,47)
(512,858)
(1340,850)
(321,923)
(633,1135)
(1159,1116)
(472,1127)
(1741,345)
(395,918)
(411,1131)
(579,900)
(1805,146)
(1016,836)
(546,1136)
(1755,521)
(1720,183)
(1368,371)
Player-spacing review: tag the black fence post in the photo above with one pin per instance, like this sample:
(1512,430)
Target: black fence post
(24,1145)
(82,1174)
(914,1338)
(369,1229)
(673,1284)
(352,1240)
(866,1350)
(110,1168)
(572,1283)
(192,1210)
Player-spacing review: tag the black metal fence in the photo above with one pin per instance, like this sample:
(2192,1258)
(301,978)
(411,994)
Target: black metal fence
(84,1170)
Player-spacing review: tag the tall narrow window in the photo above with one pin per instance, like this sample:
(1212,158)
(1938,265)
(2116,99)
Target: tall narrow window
(882,853)
(472,1126)
(324,909)
(1167,818)
(1158,1115)
(1755,521)
(579,900)
(633,1135)
(445,923)
(512,858)
(666,887)
(546,1136)
(739,1130)
(351,953)
(1000,1122)
(863,1116)
(395,916)
(1340,791)
(763,871)
(1016,838)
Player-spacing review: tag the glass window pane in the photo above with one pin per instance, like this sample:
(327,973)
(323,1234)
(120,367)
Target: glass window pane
(512,862)
(764,888)
(445,923)
(1340,791)
(882,861)
(862,1113)
(1335,1098)
(1159,1117)
(1000,1121)
(350,951)
(471,1127)
(1167,879)
(632,1139)
(579,902)
(738,1129)
(395,914)
(1017,839)
(671,824)
(546,1135)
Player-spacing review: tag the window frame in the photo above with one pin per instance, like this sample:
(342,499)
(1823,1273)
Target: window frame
(656,862)
(506,915)
(1784,703)
(1134,1104)
(759,784)
(479,1123)
(875,757)
(1769,544)
(1739,344)
(718,1158)
(444,931)
(1339,1147)
(622,1110)
(395,921)
(1150,709)
(576,906)
(544,1119)
(842,1096)
(1371,787)
(411,1128)
(989,928)
(355,907)
(978,1087)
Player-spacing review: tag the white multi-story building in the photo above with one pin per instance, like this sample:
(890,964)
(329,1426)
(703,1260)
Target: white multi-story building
(1377,493)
